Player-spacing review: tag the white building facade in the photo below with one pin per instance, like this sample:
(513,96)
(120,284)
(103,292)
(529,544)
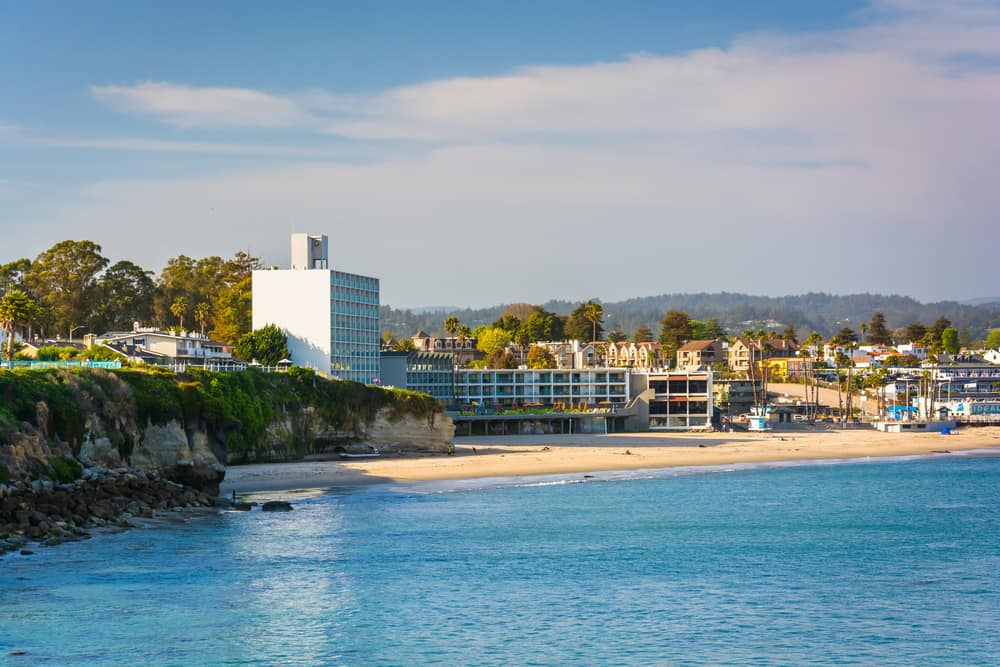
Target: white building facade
(331,318)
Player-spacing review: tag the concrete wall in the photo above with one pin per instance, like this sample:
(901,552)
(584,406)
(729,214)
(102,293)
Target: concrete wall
(298,302)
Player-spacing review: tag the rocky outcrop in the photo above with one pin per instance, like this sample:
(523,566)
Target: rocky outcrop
(180,455)
(50,513)
(410,433)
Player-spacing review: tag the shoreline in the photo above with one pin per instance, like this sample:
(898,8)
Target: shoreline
(523,456)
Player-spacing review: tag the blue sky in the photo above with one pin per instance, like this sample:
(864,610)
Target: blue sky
(476,153)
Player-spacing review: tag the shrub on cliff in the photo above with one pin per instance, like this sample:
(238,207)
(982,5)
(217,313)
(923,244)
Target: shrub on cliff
(21,392)
(65,470)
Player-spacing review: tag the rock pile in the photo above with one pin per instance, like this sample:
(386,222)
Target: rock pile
(50,513)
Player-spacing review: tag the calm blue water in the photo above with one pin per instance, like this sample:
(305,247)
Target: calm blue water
(889,563)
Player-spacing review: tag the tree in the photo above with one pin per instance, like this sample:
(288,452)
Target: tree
(126,294)
(201,313)
(405,345)
(789,333)
(12,274)
(914,332)
(179,309)
(64,281)
(594,312)
(937,329)
(993,340)
(543,325)
(492,339)
(463,333)
(451,325)
(508,323)
(845,336)
(675,330)
(232,312)
(522,311)
(949,340)
(539,357)
(878,332)
(584,323)
(713,330)
(268,345)
(17,309)
(642,335)
(501,358)
(616,335)
(902,361)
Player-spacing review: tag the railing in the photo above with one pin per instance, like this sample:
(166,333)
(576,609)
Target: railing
(32,364)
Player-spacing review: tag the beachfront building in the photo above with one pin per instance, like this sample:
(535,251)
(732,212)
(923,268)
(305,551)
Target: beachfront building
(331,318)
(428,372)
(675,400)
(547,388)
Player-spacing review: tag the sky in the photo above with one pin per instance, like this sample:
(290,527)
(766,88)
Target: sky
(477,153)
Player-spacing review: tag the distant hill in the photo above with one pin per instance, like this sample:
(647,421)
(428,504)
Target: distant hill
(992,302)
(825,313)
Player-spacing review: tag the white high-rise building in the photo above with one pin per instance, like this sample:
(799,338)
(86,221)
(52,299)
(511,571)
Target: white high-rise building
(331,317)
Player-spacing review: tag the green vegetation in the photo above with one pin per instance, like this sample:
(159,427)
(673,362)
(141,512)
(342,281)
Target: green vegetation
(69,289)
(4,474)
(239,408)
(268,345)
(65,470)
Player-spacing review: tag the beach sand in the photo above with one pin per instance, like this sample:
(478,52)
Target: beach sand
(507,456)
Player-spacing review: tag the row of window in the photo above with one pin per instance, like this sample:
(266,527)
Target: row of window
(465,377)
(679,386)
(342,279)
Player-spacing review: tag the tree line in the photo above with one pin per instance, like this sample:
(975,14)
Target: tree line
(824,313)
(71,289)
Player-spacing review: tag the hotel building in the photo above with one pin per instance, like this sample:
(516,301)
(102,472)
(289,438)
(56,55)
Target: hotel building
(331,317)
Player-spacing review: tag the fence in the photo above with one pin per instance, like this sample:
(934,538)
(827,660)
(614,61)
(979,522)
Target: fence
(31,364)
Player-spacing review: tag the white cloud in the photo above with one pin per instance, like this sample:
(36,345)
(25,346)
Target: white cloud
(793,162)
(187,106)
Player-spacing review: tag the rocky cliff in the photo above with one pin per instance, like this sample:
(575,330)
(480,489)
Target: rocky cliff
(185,428)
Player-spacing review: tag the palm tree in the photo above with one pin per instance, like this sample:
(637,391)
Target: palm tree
(593,311)
(451,325)
(179,308)
(16,310)
(463,333)
(201,312)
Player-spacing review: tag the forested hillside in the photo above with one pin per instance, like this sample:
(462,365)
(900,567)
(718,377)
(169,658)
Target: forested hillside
(825,313)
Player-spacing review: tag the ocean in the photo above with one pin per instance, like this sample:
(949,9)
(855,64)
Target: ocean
(890,563)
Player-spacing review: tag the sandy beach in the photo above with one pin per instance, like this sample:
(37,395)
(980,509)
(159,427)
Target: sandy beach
(555,454)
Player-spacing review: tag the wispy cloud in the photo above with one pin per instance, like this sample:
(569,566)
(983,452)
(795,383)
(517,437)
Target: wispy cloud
(188,106)
(849,140)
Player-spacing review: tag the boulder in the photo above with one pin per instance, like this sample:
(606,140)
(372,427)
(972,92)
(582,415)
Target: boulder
(277,506)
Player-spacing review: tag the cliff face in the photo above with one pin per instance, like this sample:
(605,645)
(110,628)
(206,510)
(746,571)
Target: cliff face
(186,428)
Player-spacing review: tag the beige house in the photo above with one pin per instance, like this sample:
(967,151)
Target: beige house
(700,353)
(745,353)
(632,355)
(463,350)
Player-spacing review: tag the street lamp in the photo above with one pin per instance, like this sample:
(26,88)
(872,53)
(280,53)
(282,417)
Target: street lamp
(82,326)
